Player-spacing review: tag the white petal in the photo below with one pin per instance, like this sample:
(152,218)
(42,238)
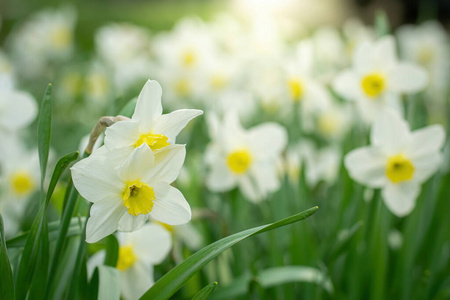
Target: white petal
(136,280)
(95,261)
(265,175)
(152,243)
(148,106)
(385,51)
(95,177)
(426,165)
(250,189)
(171,124)
(168,163)
(129,223)
(362,57)
(170,206)
(267,140)
(138,164)
(104,218)
(347,85)
(220,178)
(122,134)
(407,78)
(426,141)
(18,109)
(401,198)
(189,235)
(367,166)
(390,132)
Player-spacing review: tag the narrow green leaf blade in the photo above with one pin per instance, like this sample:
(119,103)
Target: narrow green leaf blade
(205,292)
(6,276)
(109,283)
(44,131)
(177,277)
(60,167)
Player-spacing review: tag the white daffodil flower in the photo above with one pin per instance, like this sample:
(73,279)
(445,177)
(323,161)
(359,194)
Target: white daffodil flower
(148,125)
(398,160)
(139,251)
(124,193)
(17,109)
(377,80)
(244,158)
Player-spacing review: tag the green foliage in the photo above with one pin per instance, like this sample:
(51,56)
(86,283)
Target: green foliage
(6,276)
(205,292)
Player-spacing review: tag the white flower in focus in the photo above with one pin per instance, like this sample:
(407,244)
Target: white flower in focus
(125,193)
(244,158)
(377,80)
(398,160)
(148,125)
(139,251)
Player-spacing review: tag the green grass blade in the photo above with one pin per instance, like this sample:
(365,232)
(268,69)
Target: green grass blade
(177,277)
(44,131)
(273,277)
(109,283)
(39,281)
(112,251)
(6,276)
(53,229)
(205,292)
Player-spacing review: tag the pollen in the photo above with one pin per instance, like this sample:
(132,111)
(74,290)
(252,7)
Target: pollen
(218,82)
(328,124)
(61,37)
(126,258)
(182,88)
(239,161)
(22,183)
(399,168)
(138,198)
(296,89)
(373,84)
(189,58)
(154,141)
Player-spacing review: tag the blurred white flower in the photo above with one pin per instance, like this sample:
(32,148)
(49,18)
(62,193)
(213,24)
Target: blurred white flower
(244,158)
(46,37)
(395,239)
(20,178)
(356,33)
(398,160)
(17,109)
(148,125)
(428,45)
(377,80)
(139,251)
(125,192)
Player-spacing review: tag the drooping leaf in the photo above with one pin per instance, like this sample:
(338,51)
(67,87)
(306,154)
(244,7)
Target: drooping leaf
(6,276)
(177,277)
(273,277)
(205,292)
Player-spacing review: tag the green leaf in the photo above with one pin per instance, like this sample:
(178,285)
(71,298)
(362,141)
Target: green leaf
(342,243)
(177,277)
(205,292)
(6,276)
(382,26)
(44,131)
(273,277)
(53,229)
(109,283)
(112,251)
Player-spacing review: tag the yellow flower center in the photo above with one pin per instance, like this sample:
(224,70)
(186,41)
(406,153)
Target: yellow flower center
(61,37)
(239,161)
(138,198)
(327,123)
(189,58)
(373,84)
(218,82)
(296,89)
(168,227)
(425,55)
(182,88)
(22,183)
(399,168)
(126,258)
(154,141)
